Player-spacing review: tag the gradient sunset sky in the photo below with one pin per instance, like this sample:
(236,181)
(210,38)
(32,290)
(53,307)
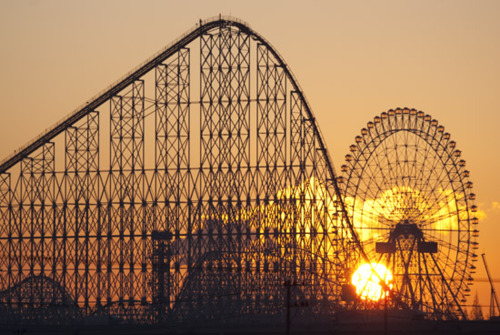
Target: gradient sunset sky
(353,59)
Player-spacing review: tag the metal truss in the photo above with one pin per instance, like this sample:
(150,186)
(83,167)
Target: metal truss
(192,189)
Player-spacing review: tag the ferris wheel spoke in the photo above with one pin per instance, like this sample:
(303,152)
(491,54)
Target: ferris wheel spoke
(436,216)
(451,247)
(437,295)
(434,195)
(376,173)
(374,239)
(449,275)
(420,181)
(410,163)
(425,181)
(447,286)
(418,150)
(396,161)
(430,159)
(446,174)
(390,172)
(447,221)
(436,205)
(372,216)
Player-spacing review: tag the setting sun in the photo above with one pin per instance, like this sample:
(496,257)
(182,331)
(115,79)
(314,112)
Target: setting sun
(367,280)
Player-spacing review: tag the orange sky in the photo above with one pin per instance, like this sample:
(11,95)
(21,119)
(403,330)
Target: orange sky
(353,59)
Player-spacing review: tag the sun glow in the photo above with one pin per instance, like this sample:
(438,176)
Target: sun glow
(368,280)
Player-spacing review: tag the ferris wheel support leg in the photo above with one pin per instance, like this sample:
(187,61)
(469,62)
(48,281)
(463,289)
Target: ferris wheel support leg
(462,313)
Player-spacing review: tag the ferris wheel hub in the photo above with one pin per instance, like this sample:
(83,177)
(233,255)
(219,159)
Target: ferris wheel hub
(406,229)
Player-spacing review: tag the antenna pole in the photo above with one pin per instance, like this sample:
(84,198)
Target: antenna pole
(493,297)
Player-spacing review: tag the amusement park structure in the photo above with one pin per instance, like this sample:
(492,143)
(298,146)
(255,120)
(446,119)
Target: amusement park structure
(412,206)
(199,187)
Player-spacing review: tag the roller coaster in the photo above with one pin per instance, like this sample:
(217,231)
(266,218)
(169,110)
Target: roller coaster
(199,184)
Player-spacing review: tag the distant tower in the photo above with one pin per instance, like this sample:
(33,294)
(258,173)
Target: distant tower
(477,312)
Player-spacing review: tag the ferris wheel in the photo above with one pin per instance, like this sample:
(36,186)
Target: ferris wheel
(409,198)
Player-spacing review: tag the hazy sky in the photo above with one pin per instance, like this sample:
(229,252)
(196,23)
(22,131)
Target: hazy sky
(353,59)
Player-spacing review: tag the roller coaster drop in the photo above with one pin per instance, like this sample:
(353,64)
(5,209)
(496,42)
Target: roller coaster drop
(204,188)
